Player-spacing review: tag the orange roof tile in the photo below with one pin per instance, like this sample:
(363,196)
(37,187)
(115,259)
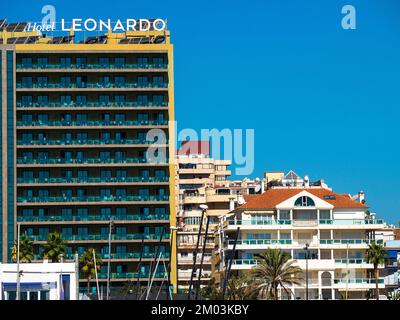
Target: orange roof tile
(272,197)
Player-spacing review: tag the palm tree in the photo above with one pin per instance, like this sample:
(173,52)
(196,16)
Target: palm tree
(54,247)
(86,262)
(376,255)
(273,270)
(25,249)
(238,288)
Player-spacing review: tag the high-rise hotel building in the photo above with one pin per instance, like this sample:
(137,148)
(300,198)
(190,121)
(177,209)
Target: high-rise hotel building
(75,120)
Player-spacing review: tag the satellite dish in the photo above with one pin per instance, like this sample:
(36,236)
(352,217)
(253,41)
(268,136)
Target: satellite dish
(241,200)
(257,179)
(203,206)
(257,188)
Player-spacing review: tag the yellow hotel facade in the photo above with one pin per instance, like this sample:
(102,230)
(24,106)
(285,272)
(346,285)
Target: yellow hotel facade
(75,148)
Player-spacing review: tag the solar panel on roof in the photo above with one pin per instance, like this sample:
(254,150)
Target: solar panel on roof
(11,27)
(124,41)
(31,39)
(11,40)
(20,40)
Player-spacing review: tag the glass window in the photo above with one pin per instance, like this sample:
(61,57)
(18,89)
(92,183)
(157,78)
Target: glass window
(81,62)
(119,61)
(104,61)
(42,61)
(142,99)
(65,62)
(304,201)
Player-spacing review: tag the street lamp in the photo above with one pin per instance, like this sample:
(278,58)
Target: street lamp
(307,250)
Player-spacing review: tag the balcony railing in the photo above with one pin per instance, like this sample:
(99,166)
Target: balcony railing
(73,104)
(351,261)
(259,222)
(93,66)
(83,141)
(133,255)
(91,199)
(80,161)
(351,221)
(92,237)
(134,217)
(349,241)
(92,179)
(129,275)
(245,261)
(260,241)
(358,281)
(90,85)
(91,123)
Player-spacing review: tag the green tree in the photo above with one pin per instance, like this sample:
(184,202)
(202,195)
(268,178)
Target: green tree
(376,255)
(238,288)
(211,291)
(25,249)
(86,262)
(274,269)
(54,247)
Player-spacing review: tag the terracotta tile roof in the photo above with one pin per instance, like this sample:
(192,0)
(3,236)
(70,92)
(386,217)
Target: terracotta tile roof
(248,197)
(272,197)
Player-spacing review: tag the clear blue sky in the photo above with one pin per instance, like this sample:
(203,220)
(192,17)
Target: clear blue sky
(323,101)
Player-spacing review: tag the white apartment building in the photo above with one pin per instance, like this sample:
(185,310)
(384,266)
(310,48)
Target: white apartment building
(337,228)
(39,281)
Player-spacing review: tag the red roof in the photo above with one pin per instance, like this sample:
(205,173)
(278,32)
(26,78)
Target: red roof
(194,147)
(272,197)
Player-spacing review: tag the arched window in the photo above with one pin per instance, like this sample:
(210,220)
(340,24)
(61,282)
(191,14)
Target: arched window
(304,202)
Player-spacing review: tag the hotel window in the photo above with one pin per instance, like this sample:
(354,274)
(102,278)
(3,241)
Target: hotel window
(43,155)
(105,81)
(119,62)
(160,210)
(82,117)
(105,193)
(119,81)
(26,100)
(81,193)
(82,136)
(27,213)
(119,156)
(66,213)
(81,81)
(67,156)
(304,202)
(120,117)
(105,212)
(66,194)
(142,81)
(83,231)
(121,231)
(120,193)
(158,81)
(105,175)
(144,174)
(158,62)
(42,136)
(104,99)
(144,210)
(105,156)
(121,175)
(65,81)
(41,81)
(142,99)
(44,175)
(65,100)
(43,100)
(27,82)
(27,175)
(67,136)
(42,61)
(324,215)
(105,136)
(144,192)
(27,62)
(27,118)
(43,232)
(43,118)
(120,99)
(104,61)
(81,62)
(120,213)
(158,99)
(160,173)
(82,175)
(81,100)
(142,117)
(27,155)
(82,212)
(142,62)
(65,62)
(66,232)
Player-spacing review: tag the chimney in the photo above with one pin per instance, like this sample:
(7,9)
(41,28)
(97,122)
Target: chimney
(361,196)
(306,182)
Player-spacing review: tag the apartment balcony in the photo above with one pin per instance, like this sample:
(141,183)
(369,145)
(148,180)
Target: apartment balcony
(90,86)
(351,223)
(92,180)
(266,224)
(304,223)
(98,219)
(256,244)
(134,256)
(344,243)
(189,261)
(184,275)
(93,67)
(313,264)
(124,276)
(199,199)
(90,124)
(87,162)
(87,143)
(93,105)
(135,237)
(90,200)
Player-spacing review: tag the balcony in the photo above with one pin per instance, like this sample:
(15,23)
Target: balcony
(351,221)
(86,142)
(103,237)
(259,222)
(105,219)
(82,161)
(86,124)
(127,275)
(349,241)
(133,255)
(91,86)
(260,242)
(92,66)
(358,281)
(89,199)
(93,180)
(304,223)
(72,104)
